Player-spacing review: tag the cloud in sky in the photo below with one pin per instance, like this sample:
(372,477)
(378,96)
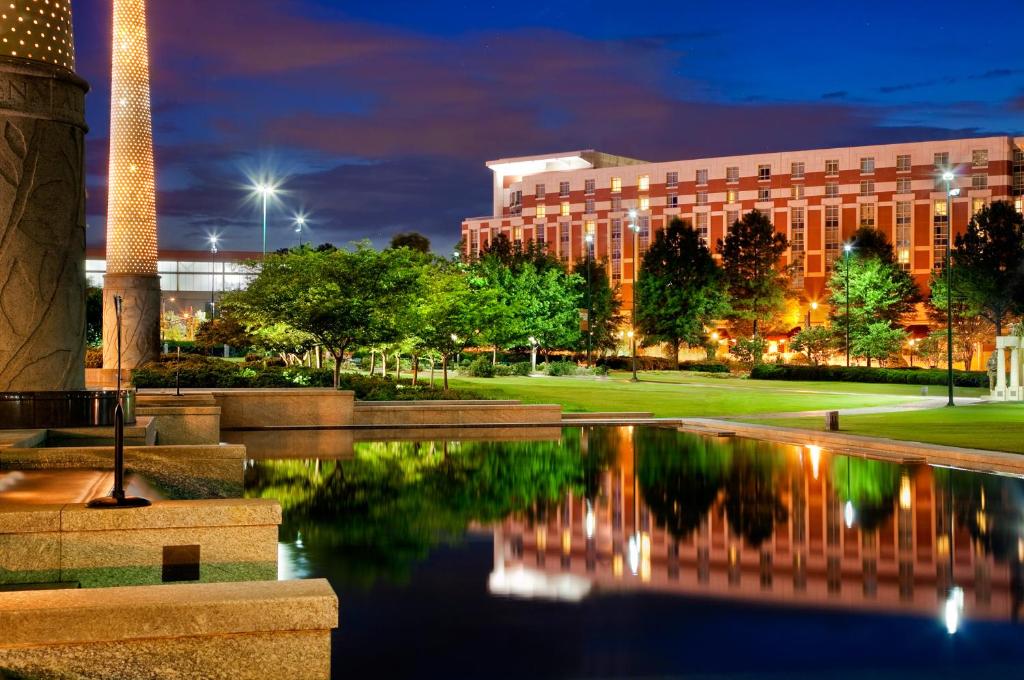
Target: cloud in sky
(383,128)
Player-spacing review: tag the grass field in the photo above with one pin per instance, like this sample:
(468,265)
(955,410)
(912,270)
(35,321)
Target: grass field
(671,393)
(999,427)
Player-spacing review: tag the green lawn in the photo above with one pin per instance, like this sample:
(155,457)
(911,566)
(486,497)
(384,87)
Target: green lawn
(670,393)
(999,427)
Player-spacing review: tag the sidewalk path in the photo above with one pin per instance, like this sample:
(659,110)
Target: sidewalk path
(919,405)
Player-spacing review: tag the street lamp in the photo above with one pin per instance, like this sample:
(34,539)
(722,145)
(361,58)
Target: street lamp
(300,224)
(948,177)
(634,225)
(589,238)
(213,274)
(912,343)
(814,306)
(533,354)
(847,248)
(266,191)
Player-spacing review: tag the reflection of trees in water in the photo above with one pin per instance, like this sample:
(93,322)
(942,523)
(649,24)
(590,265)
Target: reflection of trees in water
(753,490)
(872,485)
(379,513)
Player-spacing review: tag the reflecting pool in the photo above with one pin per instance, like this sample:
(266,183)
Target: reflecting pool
(621,551)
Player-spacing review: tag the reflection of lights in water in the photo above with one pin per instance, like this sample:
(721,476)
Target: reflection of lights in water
(291,562)
(906,497)
(634,554)
(815,453)
(521,581)
(590,522)
(566,541)
(617,566)
(953,608)
(848,514)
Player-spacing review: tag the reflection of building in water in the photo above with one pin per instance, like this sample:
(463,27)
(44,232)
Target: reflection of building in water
(895,557)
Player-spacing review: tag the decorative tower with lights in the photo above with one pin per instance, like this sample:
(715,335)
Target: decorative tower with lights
(42,200)
(131,204)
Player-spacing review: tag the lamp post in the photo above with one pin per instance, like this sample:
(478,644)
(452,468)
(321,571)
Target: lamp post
(213,274)
(634,225)
(533,354)
(951,191)
(589,238)
(266,191)
(300,224)
(814,306)
(912,343)
(847,248)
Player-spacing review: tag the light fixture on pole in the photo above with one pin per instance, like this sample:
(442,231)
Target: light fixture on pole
(847,248)
(634,225)
(300,224)
(213,274)
(948,177)
(589,239)
(265,190)
(814,306)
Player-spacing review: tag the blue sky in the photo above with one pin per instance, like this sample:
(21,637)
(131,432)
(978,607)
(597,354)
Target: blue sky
(380,116)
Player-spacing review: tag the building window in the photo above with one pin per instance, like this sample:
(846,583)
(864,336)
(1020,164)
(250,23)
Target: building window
(673,200)
(764,173)
(832,168)
(565,209)
(904,212)
(940,232)
(538,234)
(797,170)
(831,234)
(831,189)
(732,173)
(540,192)
(588,187)
(903,185)
(797,227)
(702,177)
(563,240)
(903,162)
(979,158)
(867,165)
(474,243)
(563,189)
(645,203)
(644,183)
(731,218)
(797,191)
(671,179)
(588,206)
(616,204)
(731,196)
(590,227)
(702,198)
(764,194)
(867,215)
(517,235)
(616,185)
(701,220)
(616,229)
(977,205)
(867,187)
(979,181)
(942,160)
(645,233)
(541,210)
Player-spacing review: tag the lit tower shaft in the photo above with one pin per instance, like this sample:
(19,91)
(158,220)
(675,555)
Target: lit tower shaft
(131,204)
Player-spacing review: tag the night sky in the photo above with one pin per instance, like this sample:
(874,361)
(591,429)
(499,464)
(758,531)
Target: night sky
(379,116)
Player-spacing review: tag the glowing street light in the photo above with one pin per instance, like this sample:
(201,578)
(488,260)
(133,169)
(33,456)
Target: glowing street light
(589,238)
(300,224)
(213,274)
(265,190)
(846,249)
(949,177)
(634,225)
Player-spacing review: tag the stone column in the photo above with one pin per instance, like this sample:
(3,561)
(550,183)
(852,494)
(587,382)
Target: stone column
(140,333)
(1015,370)
(42,226)
(1000,371)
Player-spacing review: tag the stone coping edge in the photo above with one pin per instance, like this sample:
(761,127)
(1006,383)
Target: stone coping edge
(191,451)
(95,615)
(976,459)
(76,517)
(440,405)
(164,410)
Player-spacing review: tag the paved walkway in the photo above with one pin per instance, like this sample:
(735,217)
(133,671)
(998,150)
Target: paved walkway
(918,405)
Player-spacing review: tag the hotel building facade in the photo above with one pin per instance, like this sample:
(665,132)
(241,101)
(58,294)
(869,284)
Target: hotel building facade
(817,198)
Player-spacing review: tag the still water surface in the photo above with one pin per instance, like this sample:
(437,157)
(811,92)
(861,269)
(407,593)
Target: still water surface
(647,552)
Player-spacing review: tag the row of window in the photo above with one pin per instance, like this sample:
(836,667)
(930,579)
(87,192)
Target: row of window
(979,159)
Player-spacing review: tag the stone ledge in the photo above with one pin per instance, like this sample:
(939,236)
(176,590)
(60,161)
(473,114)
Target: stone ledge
(229,512)
(184,409)
(21,519)
(58,617)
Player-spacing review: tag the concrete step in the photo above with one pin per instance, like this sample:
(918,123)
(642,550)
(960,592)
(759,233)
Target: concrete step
(608,415)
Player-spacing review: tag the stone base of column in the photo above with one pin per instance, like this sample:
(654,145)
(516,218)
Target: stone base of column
(140,320)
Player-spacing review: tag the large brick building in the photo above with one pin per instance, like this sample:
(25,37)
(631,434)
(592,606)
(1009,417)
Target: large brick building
(817,198)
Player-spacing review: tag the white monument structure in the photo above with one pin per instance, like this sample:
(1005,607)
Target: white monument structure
(1009,390)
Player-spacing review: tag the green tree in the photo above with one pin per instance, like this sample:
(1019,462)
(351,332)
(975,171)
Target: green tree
(750,259)
(878,340)
(411,240)
(680,289)
(94,316)
(226,329)
(970,326)
(988,263)
(546,304)
(817,342)
(341,298)
(605,304)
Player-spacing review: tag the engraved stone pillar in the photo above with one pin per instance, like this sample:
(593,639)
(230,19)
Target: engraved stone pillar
(1000,372)
(42,224)
(140,334)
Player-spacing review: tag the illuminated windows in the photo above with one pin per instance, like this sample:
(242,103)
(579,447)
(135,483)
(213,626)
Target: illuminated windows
(731,196)
(701,225)
(645,203)
(797,227)
(541,210)
(903,228)
(940,232)
(564,212)
(644,183)
(867,215)
(616,185)
(831,234)
(977,205)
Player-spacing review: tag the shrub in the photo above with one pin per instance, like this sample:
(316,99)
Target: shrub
(502,370)
(643,363)
(749,351)
(869,375)
(93,358)
(704,366)
(480,367)
(521,368)
(560,368)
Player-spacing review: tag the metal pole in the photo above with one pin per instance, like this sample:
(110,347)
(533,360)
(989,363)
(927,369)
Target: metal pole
(264,193)
(949,292)
(847,307)
(636,266)
(590,334)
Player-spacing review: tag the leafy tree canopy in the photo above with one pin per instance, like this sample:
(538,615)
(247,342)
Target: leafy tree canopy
(756,283)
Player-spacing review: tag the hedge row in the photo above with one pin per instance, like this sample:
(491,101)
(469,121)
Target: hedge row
(908,376)
(618,363)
